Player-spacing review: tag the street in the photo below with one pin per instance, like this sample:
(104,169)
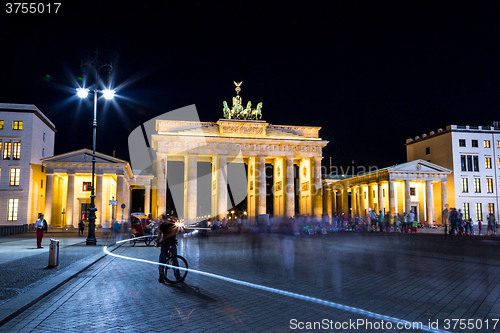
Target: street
(331,283)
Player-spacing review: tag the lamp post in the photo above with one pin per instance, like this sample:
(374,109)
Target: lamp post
(95,65)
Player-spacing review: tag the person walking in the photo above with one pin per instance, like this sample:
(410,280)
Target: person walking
(81,227)
(39,231)
(491,224)
(480,226)
(411,220)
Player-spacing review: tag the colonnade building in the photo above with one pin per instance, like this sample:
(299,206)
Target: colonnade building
(418,186)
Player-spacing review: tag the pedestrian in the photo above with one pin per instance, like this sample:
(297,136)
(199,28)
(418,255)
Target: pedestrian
(480,226)
(81,227)
(381,220)
(116,228)
(45,226)
(491,224)
(39,230)
(411,221)
(471,226)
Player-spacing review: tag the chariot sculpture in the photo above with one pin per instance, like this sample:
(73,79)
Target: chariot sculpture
(237,111)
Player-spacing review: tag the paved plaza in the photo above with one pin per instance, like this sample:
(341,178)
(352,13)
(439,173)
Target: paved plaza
(329,283)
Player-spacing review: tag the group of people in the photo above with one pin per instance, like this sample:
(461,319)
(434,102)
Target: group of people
(374,222)
(461,226)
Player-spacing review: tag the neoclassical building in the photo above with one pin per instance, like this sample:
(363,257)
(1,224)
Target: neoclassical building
(254,143)
(68,186)
(418,185)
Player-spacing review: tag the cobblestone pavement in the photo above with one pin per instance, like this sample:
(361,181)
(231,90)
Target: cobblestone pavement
(389,275)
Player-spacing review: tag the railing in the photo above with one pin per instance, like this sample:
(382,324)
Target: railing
(7,230)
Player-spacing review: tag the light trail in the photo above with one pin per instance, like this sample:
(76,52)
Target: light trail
(283,292)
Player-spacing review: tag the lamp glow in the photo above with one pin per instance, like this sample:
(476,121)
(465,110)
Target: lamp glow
(82,92)
(108,93)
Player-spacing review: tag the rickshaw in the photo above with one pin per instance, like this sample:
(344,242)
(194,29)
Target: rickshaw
(142,229)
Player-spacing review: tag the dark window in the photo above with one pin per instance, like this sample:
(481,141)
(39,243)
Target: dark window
(476,163)
(461,142)
(469,163)
(474,143)
(463,163)
(412,191)
(427,150)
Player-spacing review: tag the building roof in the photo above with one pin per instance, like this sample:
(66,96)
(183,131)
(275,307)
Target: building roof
(10,107)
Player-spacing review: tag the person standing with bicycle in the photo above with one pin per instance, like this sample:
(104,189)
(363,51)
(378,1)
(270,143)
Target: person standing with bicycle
(167,233)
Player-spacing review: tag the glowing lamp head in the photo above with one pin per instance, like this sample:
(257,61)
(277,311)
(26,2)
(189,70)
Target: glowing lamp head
(82,92)
(108,93)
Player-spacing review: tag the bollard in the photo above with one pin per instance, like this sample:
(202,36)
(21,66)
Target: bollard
(54,253)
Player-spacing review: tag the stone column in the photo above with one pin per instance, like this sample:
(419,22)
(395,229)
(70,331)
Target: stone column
(370,197)
(99,216)
(161,183)
(190,188)
(289,189)
(345,200)
(380,197)
(261,185)
(70,201)
(407,196)
(444,195)
(362,201)
(147,199)
(392,198)
(49,192)
(429,204)
(334,203)
(121,198)
(354,205)
(221,172)
(328,202)
(317,194)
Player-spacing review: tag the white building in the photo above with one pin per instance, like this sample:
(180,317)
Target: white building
(473,154)
(26,136)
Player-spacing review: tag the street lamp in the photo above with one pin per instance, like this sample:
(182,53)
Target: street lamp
(96,66)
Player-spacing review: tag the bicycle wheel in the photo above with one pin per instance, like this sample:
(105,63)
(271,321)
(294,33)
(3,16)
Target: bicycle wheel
(132,240)
(173,275)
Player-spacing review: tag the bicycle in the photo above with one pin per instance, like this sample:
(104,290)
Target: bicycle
(173,275)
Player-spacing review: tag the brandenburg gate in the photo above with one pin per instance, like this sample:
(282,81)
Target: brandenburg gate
(241,137)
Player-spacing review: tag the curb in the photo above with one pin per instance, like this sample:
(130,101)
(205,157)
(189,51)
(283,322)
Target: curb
(24,301)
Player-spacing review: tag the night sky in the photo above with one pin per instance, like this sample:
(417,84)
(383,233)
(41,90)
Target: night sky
(371,74)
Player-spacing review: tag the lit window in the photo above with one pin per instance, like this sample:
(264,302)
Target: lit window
(17,125)
(479,211)
(465,185)
(6,150)
(491,208)
(16,152)
(14,176)
(489,185)
(486,143)
(498,143)
(461,142)
(1,124)
(477,185)
(466,210)
(87,186)
(474,143)
(487,162)
(12,209)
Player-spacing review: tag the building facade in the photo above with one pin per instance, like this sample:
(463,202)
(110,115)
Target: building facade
(69,183)
(473,155)
(26,137)
(418,186)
